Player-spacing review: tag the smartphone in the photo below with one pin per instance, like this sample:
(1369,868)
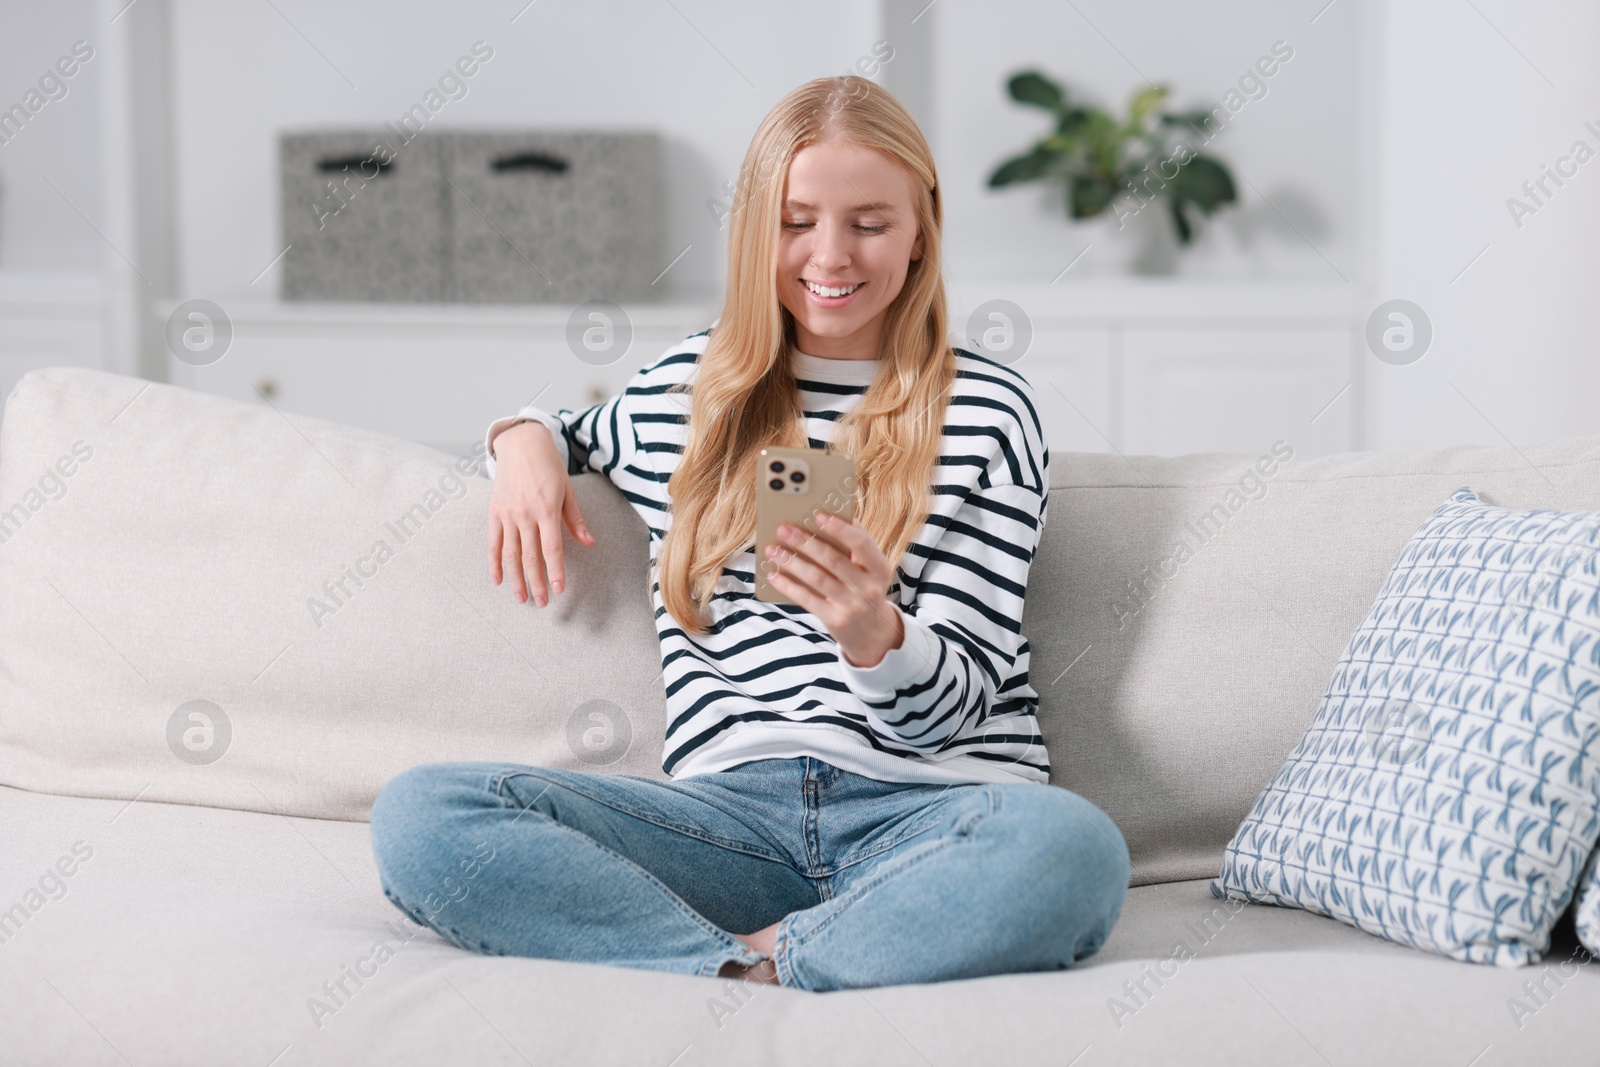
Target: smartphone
(792,486)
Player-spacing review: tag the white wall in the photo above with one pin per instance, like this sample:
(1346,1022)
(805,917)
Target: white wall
(703,79)
(39,229)
(1473,102)
(1294,150)
(634,64)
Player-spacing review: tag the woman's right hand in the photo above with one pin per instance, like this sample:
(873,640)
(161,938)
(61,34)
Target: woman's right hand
(532,500)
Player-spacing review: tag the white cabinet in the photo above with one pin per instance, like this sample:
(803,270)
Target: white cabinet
(1132,365)
(437,374)
(1212,388)
(50,319)
(1071,371)
(1168,367)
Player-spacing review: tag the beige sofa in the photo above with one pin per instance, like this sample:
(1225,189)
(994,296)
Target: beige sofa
(209,666)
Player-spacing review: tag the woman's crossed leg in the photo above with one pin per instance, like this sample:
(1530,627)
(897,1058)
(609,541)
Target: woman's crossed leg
(895,884)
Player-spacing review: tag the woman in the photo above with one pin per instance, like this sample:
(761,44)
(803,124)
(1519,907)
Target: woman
(859,789)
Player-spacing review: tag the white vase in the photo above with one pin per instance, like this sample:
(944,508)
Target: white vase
(1138,239)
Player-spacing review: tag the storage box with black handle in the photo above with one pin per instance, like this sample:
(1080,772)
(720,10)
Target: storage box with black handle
(553,216)
(363,216)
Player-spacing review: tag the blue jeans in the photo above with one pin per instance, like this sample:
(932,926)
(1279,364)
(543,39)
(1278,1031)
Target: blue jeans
(876,883)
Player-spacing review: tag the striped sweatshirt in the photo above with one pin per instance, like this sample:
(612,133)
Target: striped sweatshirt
(953,702)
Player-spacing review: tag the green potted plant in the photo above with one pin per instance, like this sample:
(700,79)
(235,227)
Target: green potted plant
(1116,165)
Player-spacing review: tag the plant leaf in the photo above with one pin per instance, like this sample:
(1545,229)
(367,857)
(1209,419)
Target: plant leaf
(1088,196)
(1185,233)
(1104,137)
(1031,87)
(1073,120)
(1025,168)
(1144,102)
(1194,120)
(1205,183)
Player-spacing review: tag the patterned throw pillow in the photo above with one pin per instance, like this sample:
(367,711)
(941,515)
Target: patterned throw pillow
(1447,794)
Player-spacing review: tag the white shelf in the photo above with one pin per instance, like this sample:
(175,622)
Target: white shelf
(365,316)
(1152,299)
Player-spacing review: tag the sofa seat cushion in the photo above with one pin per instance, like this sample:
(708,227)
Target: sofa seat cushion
(204,935)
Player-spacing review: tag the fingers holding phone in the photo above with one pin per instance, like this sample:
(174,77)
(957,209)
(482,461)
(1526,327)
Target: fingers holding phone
(811,552)
(793,487)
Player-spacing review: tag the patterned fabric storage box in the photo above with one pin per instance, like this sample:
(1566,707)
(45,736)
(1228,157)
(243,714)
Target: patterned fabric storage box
(363,216)
(553,216)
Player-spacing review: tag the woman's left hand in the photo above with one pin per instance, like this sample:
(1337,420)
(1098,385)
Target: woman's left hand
(847,590)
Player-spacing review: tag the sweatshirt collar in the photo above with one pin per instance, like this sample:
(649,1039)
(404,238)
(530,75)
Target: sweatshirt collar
(824,369)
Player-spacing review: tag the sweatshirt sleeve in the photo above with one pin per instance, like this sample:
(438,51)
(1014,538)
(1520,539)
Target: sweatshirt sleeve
(591,439)
(958,663)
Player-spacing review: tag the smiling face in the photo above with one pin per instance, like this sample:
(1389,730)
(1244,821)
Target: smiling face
(849,229)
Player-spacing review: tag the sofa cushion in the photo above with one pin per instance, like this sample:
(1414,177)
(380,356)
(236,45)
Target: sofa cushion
(1447,794)
(227,604)
(202,936)
(1186,613)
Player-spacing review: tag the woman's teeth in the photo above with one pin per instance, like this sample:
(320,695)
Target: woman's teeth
(825,291)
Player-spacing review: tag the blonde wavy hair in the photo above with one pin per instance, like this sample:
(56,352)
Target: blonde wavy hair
(744,392)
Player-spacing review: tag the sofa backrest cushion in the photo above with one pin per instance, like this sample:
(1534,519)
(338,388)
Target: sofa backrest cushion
(318,595)
(201,612)
(1187,613)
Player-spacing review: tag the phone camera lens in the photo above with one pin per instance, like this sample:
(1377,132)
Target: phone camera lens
(776,483)
(776,466)
(797,476)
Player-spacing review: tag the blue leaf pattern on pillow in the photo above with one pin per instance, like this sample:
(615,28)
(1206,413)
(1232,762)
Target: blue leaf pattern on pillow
(1447,793)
